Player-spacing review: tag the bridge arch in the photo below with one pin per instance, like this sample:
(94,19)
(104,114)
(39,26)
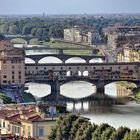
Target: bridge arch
(38,92)
(50,59)
(29,61)
(83,88)
(75,60)
(96,60)
(18,40)
(122,82)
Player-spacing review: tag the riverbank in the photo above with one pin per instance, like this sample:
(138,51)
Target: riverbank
(131,86)
(137,97)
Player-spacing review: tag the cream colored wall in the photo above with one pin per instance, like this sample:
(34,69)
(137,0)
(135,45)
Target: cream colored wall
(4,130)
(25,129)
(47,128)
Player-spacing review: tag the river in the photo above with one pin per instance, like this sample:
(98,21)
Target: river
(127,114)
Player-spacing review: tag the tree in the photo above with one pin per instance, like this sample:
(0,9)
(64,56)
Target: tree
(13,29)
(6,99)
(26,30)
(2,37)
(74,127)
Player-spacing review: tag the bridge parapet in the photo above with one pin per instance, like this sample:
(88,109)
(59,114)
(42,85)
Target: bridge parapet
(106,72)
(63,57)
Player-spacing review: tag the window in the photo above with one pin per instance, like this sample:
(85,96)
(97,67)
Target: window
(29,131)
(4,76)
(4,81)
(19,61)
(13,77)
(4,124)
(13,72)
(4,61)
(12,67)
(13,129)
(18,130)
(41,131)
(19,76)
(19,72)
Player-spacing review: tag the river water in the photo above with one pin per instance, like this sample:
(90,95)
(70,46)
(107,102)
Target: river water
(127,114)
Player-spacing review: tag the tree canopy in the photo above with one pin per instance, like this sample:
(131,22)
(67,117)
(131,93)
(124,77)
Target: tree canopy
(74,127)
(6,99)
(44,28)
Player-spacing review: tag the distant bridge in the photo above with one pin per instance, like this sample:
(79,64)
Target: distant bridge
(63,57)
(94,50)
(26,38)
(99,74)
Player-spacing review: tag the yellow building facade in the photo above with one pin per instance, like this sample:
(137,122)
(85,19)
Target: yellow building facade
(129,55)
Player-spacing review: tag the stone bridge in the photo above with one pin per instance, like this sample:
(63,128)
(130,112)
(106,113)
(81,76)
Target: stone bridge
(26,38)
(63,57)
(99,74)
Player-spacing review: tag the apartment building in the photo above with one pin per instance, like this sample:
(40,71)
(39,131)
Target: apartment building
(80,34)
(122,42)
(129,53)
(12,65)
(25,122)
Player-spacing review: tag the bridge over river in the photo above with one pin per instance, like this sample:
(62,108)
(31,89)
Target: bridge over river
(99,74)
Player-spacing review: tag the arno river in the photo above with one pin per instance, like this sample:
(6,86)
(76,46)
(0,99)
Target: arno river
(127,114)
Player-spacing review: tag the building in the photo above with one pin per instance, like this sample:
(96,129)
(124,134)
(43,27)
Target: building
(80,34)
(122,41)
(25,122)
(129,53)
(12,65)
(115,32)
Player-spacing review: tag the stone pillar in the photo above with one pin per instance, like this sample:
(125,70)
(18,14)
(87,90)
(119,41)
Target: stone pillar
(36,61)
(63,61)
(61,51)
(82,105)
(55,90)
(87,61)
(100,87)
(73,105)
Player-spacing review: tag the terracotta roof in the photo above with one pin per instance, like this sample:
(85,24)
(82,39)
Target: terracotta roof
(14,119)
(5,113)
